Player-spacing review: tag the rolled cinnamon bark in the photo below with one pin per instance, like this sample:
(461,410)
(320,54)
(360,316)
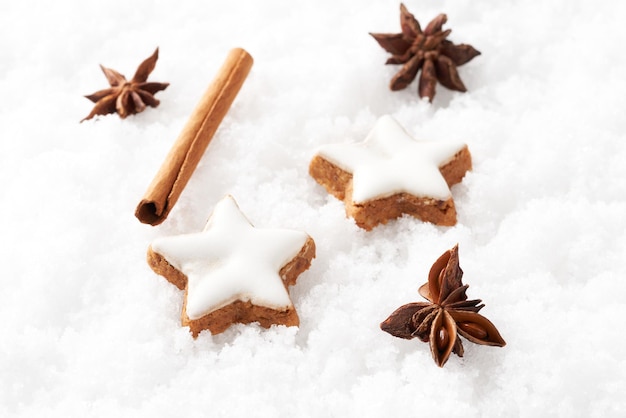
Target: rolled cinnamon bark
(188,149)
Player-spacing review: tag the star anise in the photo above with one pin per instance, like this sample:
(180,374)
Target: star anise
(127,97)
(448,314)
(428,50)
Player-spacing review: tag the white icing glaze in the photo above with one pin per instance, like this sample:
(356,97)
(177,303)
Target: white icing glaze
(232,260)
(390,161)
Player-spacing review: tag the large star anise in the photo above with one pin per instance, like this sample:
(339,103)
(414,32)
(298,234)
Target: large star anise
(429,50)
(448,314)
(127,97)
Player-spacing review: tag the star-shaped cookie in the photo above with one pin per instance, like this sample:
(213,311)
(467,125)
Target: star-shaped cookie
(390,174)
(232,272)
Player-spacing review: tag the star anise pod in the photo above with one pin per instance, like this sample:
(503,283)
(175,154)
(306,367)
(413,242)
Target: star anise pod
(448,314)
(428,50)
(127,97)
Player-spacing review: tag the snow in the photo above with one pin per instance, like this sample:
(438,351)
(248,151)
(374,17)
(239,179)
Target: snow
(87,329)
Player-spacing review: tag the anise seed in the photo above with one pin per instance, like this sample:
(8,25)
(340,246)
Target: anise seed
(443,338)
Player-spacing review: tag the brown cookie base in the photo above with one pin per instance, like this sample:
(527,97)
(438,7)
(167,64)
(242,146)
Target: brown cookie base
(371,213)
(238,311)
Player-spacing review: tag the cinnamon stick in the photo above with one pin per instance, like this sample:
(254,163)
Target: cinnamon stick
(188,149)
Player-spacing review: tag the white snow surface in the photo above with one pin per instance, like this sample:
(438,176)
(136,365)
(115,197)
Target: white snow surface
(88,330)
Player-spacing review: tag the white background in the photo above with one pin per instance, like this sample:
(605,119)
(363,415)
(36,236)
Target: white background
(87,329)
